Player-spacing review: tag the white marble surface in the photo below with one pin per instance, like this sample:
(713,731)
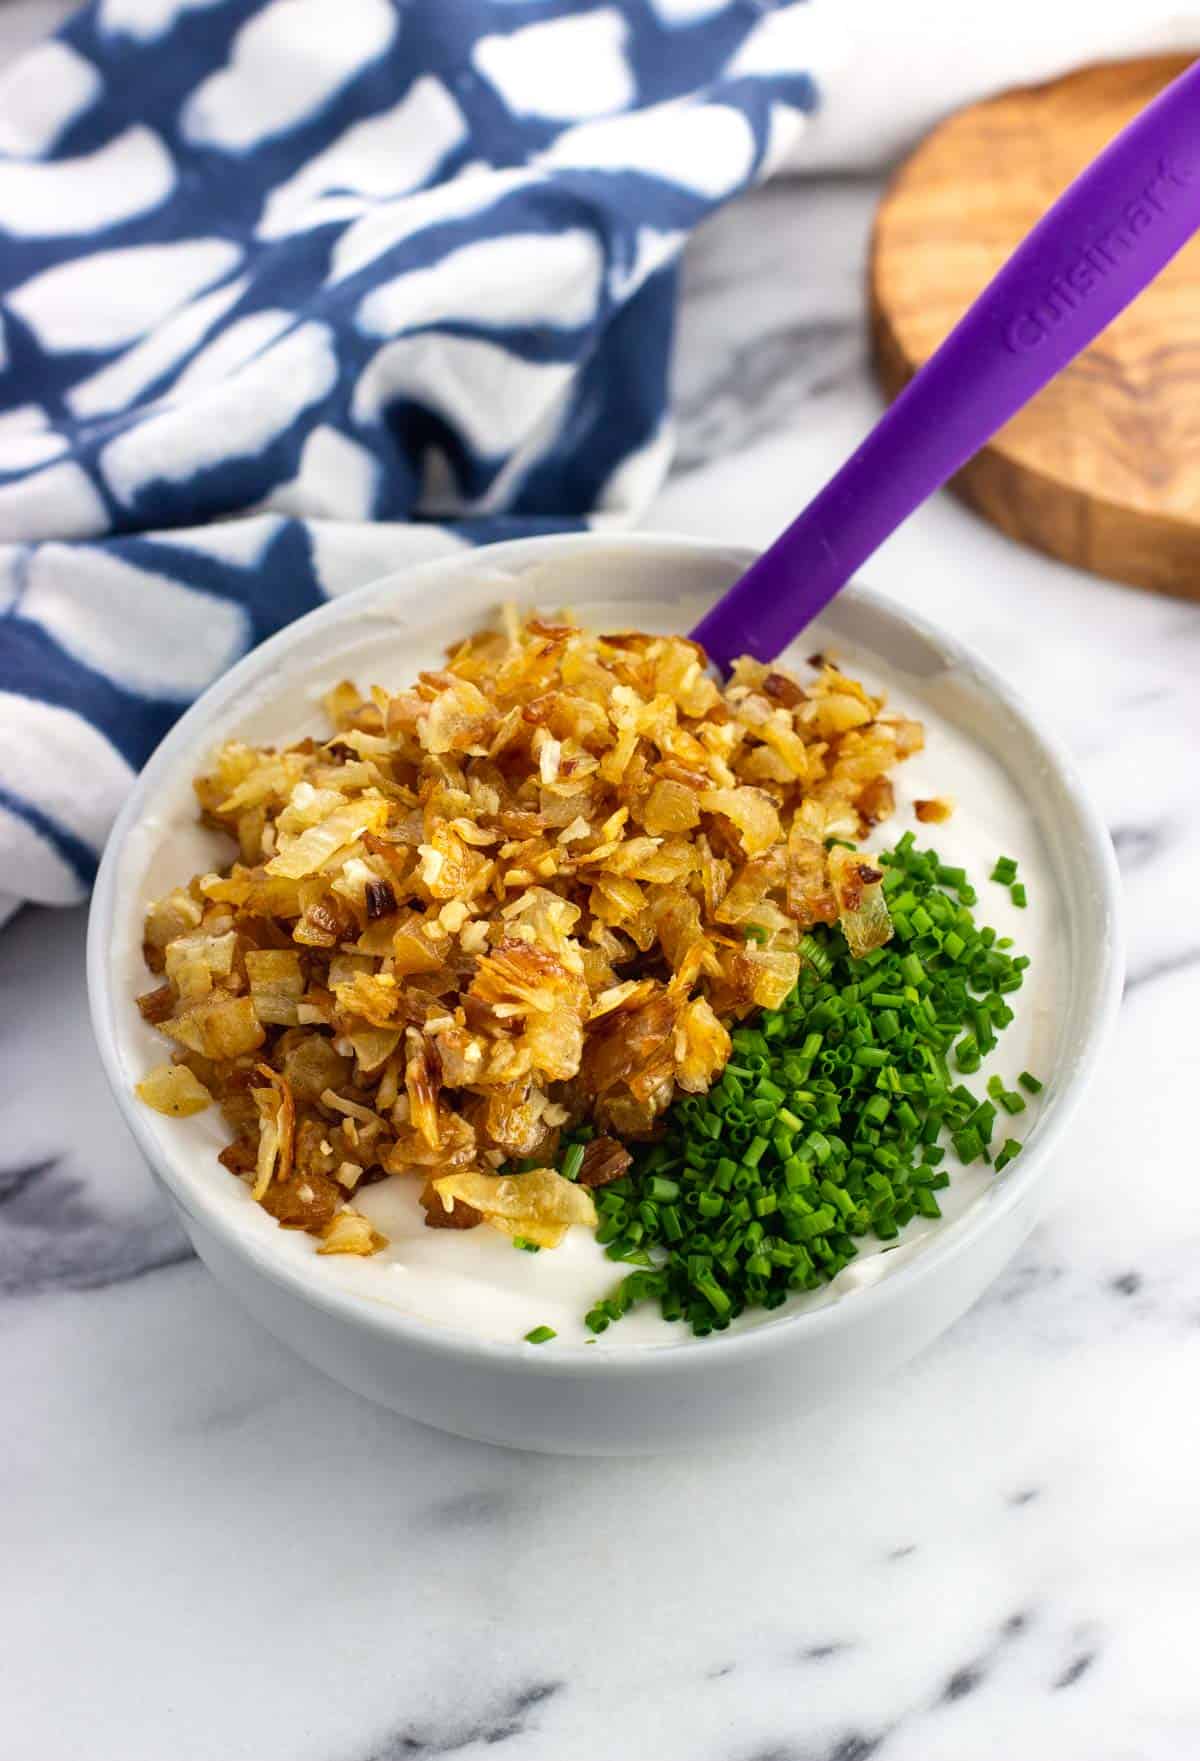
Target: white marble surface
(211,1554)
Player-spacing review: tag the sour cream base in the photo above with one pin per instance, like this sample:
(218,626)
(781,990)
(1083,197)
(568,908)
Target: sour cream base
(476,1282)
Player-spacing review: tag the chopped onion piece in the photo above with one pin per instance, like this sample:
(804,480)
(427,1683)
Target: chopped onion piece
(862,907)
(220,1026)
(173,1089)
(351,1232)
(539,1205)
(314,847)
(276,979)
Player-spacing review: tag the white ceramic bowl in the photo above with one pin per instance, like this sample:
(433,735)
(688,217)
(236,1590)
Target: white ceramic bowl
(620,1399)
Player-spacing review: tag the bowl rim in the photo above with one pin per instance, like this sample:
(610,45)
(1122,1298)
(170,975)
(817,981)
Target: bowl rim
(570,1361)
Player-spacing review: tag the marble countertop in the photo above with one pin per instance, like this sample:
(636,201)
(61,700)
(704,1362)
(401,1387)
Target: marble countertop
(212,1554)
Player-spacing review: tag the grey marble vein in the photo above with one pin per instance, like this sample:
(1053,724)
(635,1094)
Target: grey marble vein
(964,1681)
(54,1236)
(1138,845)
(13,1181)
(510,1715)
(852,1745)
(757,389)
(1028,1279)
(483,1507)
(1077,1667)
(1150,972)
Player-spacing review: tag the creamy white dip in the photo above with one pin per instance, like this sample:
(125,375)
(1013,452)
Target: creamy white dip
(475,1281)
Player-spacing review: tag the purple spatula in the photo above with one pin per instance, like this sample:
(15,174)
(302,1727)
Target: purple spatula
(1100,244)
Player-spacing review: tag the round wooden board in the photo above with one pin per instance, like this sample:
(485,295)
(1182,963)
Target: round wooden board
(1102,469)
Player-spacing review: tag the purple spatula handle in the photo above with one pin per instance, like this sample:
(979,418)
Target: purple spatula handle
(1096,249)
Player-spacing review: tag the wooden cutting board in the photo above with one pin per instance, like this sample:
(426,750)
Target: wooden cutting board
(1102,469)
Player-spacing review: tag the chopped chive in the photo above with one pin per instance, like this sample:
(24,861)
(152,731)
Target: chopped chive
(526,1246)
(966,1053)
(660,1189)
(573,1162)
(1017,894)
(828,1123)
(968,1146)
(539,1335)
(1030,1083)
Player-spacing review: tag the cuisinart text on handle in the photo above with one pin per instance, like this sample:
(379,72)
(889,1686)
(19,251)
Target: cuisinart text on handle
(1070,290)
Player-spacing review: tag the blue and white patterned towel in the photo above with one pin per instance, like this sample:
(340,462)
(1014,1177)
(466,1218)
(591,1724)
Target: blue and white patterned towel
(295,291)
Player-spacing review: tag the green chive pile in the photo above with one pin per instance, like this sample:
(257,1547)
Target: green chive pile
(827,1124)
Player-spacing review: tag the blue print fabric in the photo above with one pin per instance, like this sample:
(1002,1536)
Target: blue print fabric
(297,291)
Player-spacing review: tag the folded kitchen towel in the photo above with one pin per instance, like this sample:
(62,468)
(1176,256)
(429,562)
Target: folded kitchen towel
(294,291)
